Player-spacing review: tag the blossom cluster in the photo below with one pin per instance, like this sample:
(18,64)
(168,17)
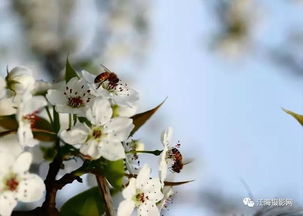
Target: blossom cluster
(88,117)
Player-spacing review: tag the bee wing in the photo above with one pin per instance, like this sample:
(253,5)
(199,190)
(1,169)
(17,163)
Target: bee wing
(188,161)
(105,69)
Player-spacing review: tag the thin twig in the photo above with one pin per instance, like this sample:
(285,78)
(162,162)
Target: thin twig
(105,192)
(67,179)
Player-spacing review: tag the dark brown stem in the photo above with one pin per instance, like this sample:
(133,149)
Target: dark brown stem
(50,181)
(105,192)
(67,179)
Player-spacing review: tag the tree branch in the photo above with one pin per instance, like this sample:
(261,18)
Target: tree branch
(67,179)
(105,192)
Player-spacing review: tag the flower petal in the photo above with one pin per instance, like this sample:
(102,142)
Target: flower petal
(25,134)
(148,209)
(23,162)
(166,136)
(9,144)
(31,188)
(90,78)
(6,160)
(130,190)
(76,135)
(91,148)
(32,104)
(163,165)
(7,106)
(67,109)
(118,129)
(152,188)
(126,111)
(111,150)
(7,203)
(126,208)
(143,176)
(100,111)
(55,97)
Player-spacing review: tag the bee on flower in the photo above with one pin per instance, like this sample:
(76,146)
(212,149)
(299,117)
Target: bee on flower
(107,84)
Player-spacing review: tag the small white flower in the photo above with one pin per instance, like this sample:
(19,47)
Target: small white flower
(16,183)
(72,97)
(118,94)
(165,139)
(104,136)
(20,80)
(27,116)
(143,193)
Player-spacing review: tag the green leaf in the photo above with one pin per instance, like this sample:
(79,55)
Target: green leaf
(43,125)
(141,118)
(113,171)
(9,122)
(56,120)
(42,136)
(68,150)
(70,72)
(86,203)
(85,120)
(298,117)
(49,153)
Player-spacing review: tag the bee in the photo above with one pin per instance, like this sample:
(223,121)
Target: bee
(176,154)
(107,75)
(177,166)
(177,159)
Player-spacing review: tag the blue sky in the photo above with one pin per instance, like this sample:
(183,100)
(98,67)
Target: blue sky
(227,113)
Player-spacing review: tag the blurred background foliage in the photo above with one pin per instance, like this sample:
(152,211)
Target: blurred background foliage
(227,66)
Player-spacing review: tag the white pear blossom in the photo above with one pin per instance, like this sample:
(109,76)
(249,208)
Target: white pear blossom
(104,136)
(27,115)
(71,97)
(20,80)
(16,183)
(119,94)
(142,193)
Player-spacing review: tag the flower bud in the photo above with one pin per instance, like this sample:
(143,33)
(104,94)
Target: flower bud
(20,80)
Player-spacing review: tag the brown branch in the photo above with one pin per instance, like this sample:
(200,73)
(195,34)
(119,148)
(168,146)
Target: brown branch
(105,192)
(67,179)
(51,190)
